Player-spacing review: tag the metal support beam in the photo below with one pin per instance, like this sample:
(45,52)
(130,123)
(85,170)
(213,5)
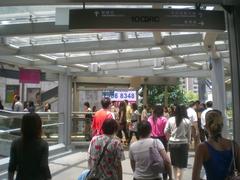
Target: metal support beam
(218,90)
(107,45)
(132,55)
(76,103)
(233,17)
(32,29)
(169,61)
(7,49)
(123,36)
(71,2)
(202,90)
(14,61)
(104,45)
(65,108)
(147,71)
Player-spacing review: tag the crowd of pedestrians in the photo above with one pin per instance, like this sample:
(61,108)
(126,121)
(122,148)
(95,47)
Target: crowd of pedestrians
(169,132)
(172,131)
(27,106)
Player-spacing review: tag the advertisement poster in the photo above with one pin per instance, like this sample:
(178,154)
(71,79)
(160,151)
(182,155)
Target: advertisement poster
(33,94)
(11,91)
(29,76)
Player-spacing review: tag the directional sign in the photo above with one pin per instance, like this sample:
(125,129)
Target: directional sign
(146,20)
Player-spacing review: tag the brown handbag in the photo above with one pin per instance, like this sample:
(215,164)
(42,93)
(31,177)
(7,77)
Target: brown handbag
(236,174)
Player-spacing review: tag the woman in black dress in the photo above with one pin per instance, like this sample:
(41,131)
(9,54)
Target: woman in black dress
(29,153)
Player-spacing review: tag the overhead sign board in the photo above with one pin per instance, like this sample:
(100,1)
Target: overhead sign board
(120,95)
(146,20)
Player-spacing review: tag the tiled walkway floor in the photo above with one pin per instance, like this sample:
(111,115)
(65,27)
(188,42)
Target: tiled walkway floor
(69,167)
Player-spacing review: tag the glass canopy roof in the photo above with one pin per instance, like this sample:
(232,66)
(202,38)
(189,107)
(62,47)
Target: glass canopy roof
(113,52)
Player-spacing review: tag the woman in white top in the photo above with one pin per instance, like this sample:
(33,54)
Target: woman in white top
(139,154)
(178,129)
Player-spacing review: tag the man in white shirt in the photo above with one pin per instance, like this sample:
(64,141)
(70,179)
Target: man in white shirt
(194,123)
(209,105)
(18,106)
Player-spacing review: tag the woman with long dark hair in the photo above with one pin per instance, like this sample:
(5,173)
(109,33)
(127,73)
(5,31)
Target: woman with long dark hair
(31,107)
(158,123)
(134,121)
(122,121)
(29,153)
(1,106)
(178,131)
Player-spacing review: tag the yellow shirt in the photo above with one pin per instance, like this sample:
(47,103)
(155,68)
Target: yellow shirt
(128,113)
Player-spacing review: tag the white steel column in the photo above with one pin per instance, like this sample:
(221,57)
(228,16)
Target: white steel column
(65,108)
(202,90)
(76,106)
(218,90)
(233,17)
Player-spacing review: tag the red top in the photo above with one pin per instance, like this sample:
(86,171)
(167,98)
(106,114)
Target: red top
(98,119)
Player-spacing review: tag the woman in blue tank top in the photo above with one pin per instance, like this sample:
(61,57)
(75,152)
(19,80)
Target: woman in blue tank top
(216,153)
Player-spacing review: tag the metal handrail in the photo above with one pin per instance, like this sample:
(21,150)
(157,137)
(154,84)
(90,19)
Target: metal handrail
(79,112)
(18,129)
(22,113)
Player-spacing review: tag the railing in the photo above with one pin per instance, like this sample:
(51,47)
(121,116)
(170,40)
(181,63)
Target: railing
(81,126)
(230,127)
(10,123)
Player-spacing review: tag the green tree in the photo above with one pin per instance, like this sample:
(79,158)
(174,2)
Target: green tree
(191,96)
(156,94)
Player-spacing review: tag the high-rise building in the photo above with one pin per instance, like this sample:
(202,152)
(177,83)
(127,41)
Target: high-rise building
(189,84)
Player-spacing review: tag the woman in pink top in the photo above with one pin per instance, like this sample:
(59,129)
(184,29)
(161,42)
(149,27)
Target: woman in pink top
(158,123)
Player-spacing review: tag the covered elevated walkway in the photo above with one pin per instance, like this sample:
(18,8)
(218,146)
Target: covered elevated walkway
(35,35)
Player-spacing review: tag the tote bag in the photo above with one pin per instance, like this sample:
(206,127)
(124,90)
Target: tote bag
(236,174)
(156,160)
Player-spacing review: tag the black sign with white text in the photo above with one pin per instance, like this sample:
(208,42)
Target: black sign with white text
(146,19)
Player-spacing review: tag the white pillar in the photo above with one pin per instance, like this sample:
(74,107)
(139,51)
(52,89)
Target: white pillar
(65,108)
(202,90)
(233,20)
(218,90)
(145,95)
(76,105)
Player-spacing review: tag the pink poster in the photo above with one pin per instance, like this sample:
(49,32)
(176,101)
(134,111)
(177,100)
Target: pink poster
(29,76)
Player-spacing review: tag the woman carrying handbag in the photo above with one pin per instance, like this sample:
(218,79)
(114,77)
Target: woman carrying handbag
(142,158)
(106,154)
